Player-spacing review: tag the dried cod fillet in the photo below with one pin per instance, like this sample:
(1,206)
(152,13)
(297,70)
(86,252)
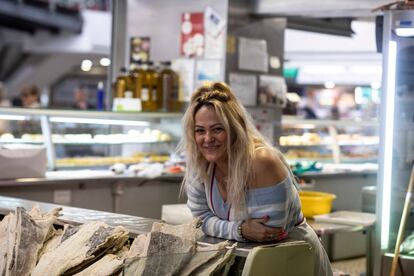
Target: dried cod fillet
(68,231)
(165,250)
(45,219)
(203,255)
(10,242)
(57,238)
(79,250)
(51,243)
(107,265)
(137,246)
(190,231)
(110,264)
(219,265)
(165,254)
(26,238)
(5,232)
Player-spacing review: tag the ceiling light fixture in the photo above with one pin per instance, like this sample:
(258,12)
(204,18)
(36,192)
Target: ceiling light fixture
(86,65)
(329,85)
(105,62)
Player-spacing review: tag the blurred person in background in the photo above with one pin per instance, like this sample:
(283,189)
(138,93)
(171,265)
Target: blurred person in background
(80,96)
(4,102)
(30,98)
(29,94)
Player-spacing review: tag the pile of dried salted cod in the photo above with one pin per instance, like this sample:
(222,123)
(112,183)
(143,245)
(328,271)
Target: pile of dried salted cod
(30,245)
(173,250)
(22,236)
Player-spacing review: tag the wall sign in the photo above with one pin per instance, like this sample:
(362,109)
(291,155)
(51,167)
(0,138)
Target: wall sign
(192,34)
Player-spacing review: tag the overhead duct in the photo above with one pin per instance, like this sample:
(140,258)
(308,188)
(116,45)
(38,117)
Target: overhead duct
(332,26)
(23,16)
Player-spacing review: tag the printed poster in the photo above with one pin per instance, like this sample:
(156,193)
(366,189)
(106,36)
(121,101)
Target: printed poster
(214,34)
(140,49)
(192,34)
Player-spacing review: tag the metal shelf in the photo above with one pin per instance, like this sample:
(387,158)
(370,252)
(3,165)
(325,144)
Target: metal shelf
(299,122)
(126,116)
(342,143)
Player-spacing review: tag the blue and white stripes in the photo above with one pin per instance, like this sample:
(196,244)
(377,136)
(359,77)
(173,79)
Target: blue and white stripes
(280,202)
(212,225)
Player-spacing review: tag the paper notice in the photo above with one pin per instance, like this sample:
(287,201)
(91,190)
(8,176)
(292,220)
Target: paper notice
(245,87)
(253,55)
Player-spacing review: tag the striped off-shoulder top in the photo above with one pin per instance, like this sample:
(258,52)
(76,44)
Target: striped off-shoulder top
(280,202)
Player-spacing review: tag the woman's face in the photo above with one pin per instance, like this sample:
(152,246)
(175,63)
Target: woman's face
(209,134)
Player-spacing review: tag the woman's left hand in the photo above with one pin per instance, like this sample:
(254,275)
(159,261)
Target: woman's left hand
(256,230)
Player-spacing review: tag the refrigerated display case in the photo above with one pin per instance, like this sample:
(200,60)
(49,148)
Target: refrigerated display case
(93,138)
(329,141)
(396,139)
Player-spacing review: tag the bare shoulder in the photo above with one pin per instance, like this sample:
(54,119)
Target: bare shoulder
(268,169)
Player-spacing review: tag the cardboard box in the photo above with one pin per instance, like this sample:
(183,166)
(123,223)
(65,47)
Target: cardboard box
(21,161)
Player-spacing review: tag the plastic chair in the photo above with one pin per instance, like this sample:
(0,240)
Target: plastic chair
(285,259)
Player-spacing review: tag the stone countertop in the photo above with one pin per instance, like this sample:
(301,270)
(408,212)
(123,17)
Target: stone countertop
(135,225)
(73,215)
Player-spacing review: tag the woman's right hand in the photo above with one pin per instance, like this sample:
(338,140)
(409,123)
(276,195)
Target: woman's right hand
(256,230)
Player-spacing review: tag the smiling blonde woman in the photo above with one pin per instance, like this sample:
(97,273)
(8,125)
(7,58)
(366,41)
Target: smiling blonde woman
(236,181)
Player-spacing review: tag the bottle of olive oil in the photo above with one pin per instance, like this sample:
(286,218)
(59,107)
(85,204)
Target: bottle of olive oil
(137,75)
(149,88)
(169,82)
(122,83)
(144,87)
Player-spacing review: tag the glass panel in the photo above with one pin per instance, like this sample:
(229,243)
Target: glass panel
(403,137)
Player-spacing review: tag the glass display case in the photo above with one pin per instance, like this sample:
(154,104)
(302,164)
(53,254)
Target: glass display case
(396,145)
(92,138)
(329,141)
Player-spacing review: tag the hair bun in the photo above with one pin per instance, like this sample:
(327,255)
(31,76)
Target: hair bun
(214,95)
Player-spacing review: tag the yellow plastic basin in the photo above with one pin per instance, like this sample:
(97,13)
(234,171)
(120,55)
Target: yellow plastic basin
(316,203)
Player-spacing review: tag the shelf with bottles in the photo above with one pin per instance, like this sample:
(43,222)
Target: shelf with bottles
(329,141)
(149,87)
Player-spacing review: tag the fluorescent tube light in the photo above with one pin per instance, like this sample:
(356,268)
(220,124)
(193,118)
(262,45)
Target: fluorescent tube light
(388,144)
(13,117)
(405,32)
(98,121)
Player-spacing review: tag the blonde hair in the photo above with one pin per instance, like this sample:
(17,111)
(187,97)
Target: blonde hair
(242,140)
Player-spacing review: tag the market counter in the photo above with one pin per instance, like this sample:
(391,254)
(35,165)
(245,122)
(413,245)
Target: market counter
(75,216)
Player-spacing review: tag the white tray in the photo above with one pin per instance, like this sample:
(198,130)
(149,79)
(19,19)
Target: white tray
(347,217)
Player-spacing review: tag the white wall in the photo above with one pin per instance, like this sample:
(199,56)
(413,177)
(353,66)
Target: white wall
(162,22)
